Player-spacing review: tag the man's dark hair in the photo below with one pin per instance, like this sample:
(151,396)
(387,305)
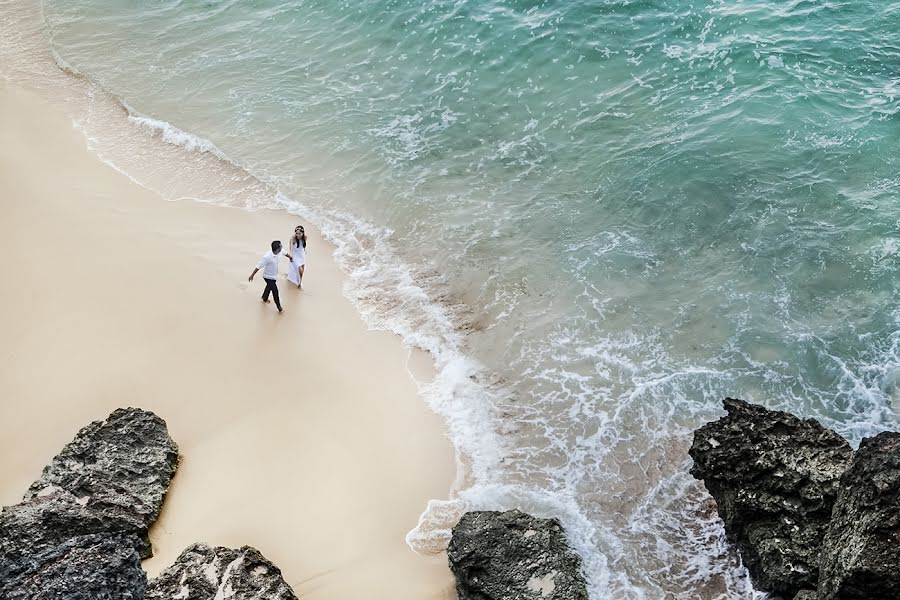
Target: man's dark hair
(276,245)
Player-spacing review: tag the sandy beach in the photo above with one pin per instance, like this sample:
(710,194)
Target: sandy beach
(301,434)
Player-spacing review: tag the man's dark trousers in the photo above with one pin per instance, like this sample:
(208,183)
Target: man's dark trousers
(271,287)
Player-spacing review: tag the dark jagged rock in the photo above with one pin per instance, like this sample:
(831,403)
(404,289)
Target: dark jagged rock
(205,573)
(81,530)
(124,463)
(513,556)
(775,478)
(90,567)
(46,521)
(806,595)
(861,554)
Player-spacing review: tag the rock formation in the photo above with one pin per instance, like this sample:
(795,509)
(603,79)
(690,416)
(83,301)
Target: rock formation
(81,530)
(46,521)
(775,478)
(513,556)
(861,554)
(87,567)
(121,465)
(205,573)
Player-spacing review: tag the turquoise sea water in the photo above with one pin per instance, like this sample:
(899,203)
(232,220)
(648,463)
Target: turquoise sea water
(600,217)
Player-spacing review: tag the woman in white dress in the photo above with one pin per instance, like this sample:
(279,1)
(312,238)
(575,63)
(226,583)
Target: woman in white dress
(297,256)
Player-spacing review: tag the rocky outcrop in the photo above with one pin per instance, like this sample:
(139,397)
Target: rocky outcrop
(123,464)
(513,556)
(47,521)
(88,567)
(775,479)
(861,554)
(205,573)
(81,530)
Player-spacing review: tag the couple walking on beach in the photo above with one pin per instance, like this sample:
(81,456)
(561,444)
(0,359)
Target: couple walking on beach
(269,265)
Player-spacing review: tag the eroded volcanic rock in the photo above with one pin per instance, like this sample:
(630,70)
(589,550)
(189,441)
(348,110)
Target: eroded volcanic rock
(46,521)
(125,461)
(861,554)
(775,479)
(513,556)
(88,567)
(205,573)
(81,530)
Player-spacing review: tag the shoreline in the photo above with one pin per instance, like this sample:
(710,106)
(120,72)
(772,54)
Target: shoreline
(127,299)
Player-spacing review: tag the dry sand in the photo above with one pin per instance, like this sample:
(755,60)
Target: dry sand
(301,434)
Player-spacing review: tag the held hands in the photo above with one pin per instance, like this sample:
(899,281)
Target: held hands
(250,278)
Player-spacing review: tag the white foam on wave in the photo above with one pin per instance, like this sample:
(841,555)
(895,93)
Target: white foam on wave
(391,297)
(675,505)
(175,136)
(589,542)
(860,400)
(409,136)
(881,382)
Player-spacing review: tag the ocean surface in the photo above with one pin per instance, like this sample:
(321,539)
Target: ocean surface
(600,217)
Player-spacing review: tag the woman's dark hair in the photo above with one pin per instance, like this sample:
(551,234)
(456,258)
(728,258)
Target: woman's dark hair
(294,241)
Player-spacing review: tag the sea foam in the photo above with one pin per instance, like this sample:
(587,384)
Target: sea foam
(175,136)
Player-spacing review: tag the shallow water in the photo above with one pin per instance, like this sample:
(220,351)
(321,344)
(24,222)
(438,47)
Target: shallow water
(599,217)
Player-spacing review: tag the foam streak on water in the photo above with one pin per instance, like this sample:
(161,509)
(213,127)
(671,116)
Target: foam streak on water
(598,217)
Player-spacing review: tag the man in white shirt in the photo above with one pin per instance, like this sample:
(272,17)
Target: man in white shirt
(269,265)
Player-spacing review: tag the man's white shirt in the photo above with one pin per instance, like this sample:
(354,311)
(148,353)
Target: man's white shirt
(268,264)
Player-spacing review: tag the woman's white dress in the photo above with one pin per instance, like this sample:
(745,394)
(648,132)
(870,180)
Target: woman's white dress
(298,258)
